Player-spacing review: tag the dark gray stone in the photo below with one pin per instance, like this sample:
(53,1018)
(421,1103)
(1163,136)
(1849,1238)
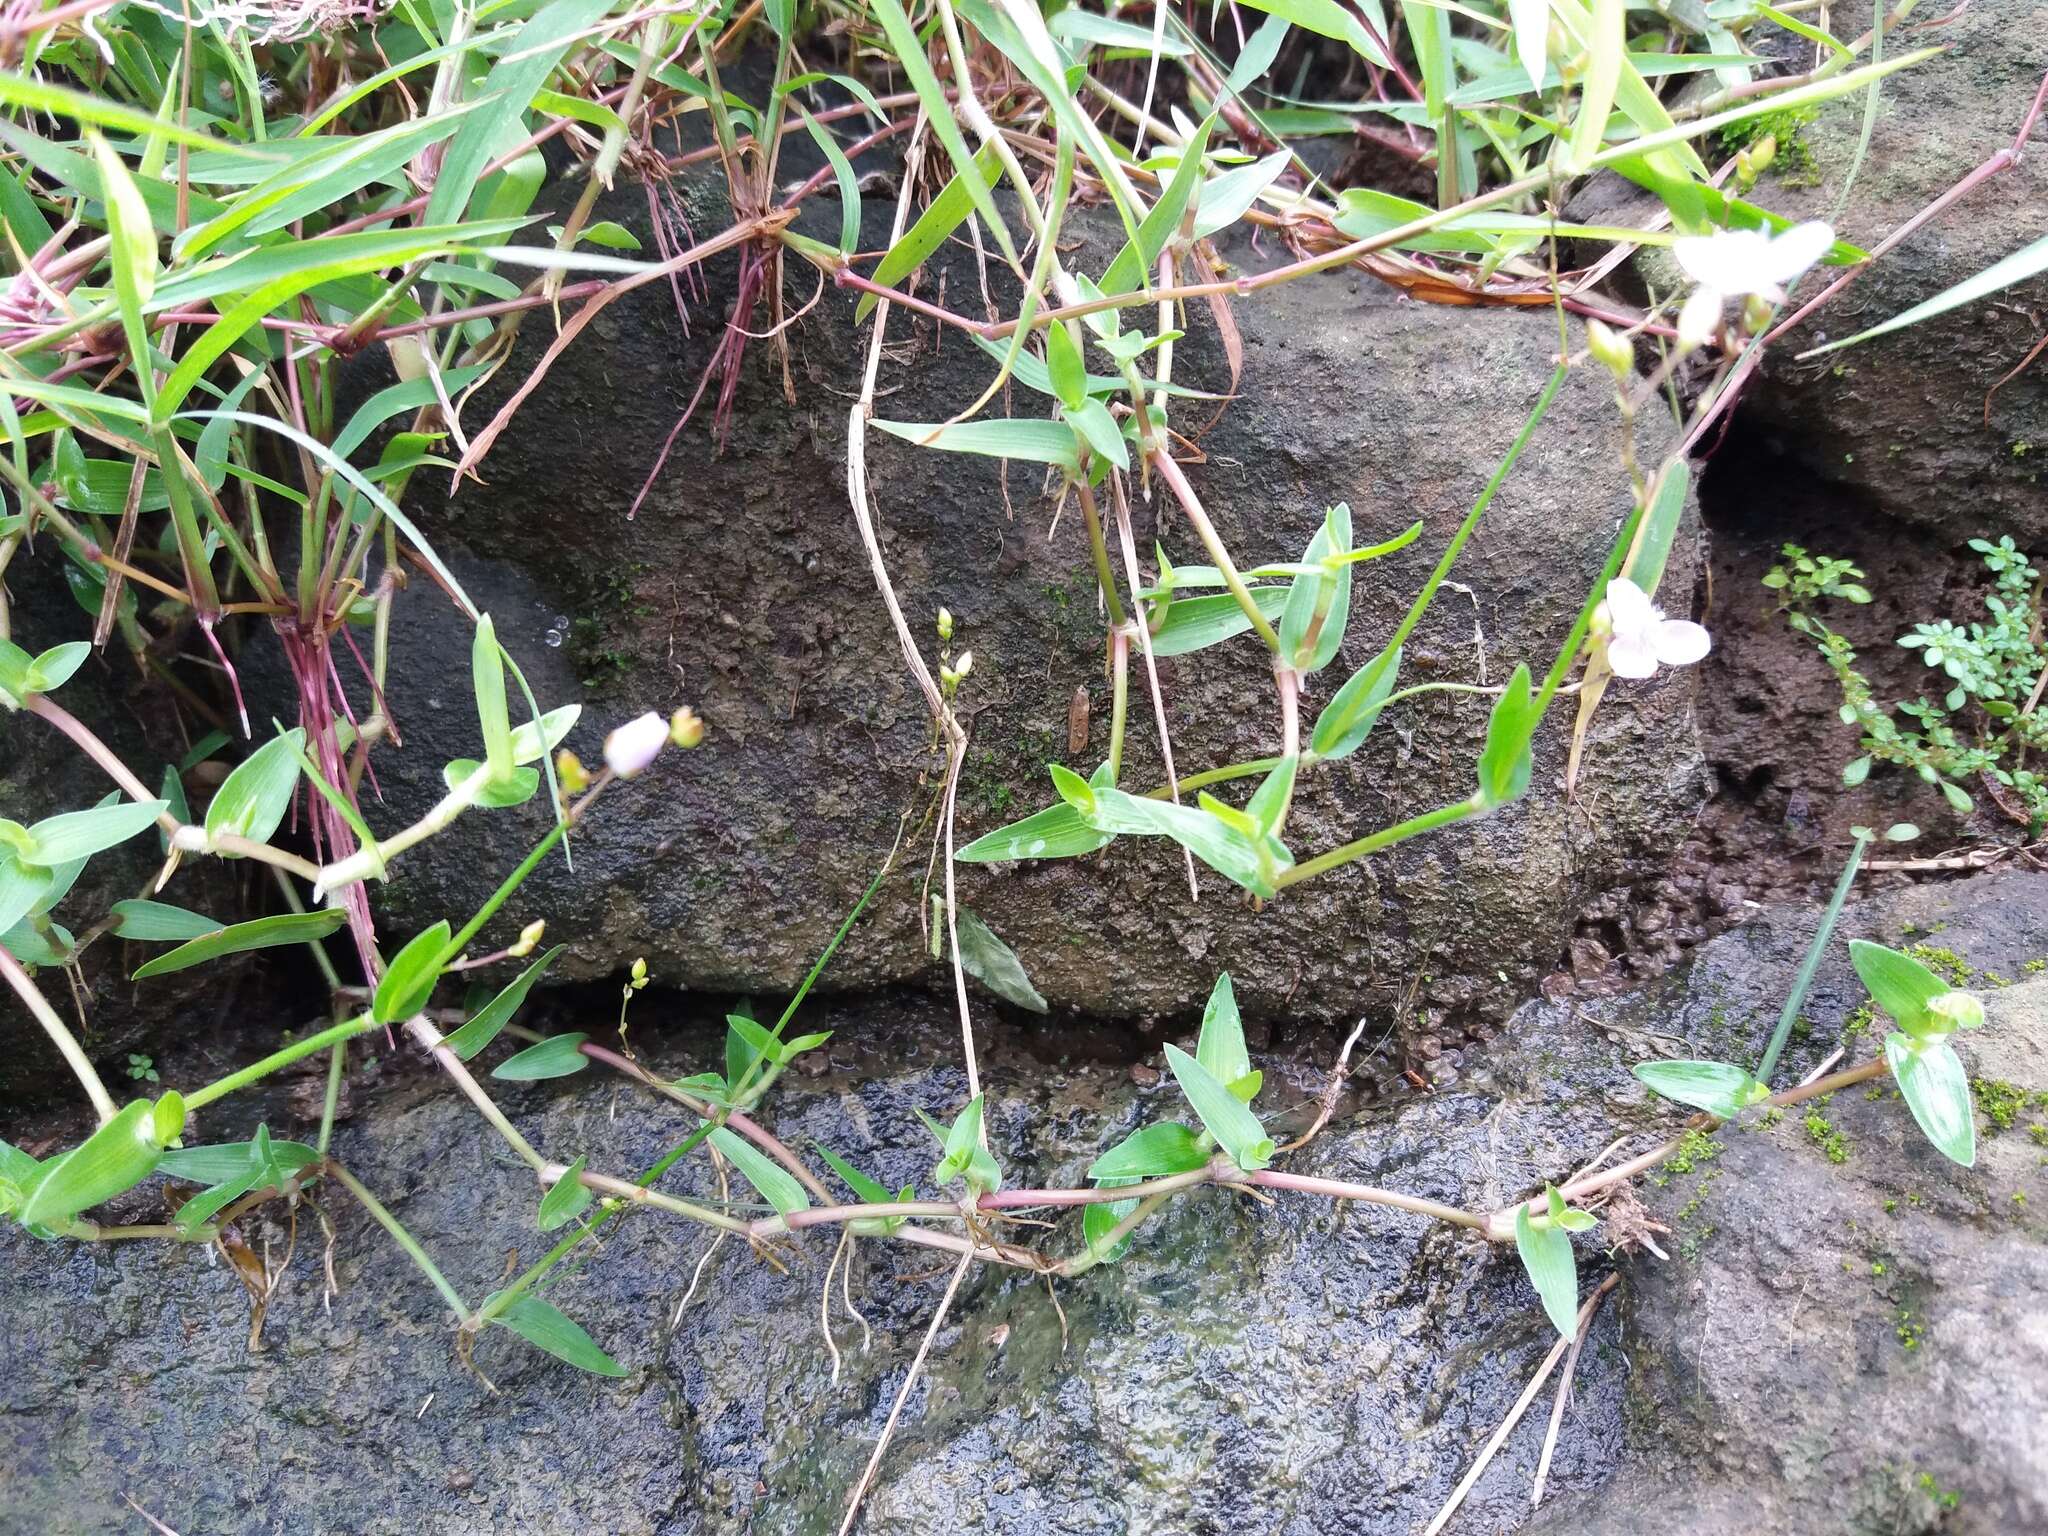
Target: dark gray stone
(742,589)
(1296,1368)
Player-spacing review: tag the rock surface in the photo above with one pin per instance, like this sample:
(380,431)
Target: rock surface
(1299,1368)
(742,589)
(1906,417)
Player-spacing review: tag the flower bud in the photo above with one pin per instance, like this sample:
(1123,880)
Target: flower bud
(964,665)
(529,936)
(639,973)
(1610,350)
(685,727)
(1958,1010)
(634,746)
(1756,314)
(1745,170)
(408,358)
(945,623)
(1762,153)
(570,772)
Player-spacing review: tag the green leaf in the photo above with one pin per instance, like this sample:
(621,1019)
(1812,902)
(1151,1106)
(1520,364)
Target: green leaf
(2028,262)
(1196,623)
(263,933)
(1151,1152)
(1326,18)
(1135,263)
(1319,600)
(252,801)
(1721,1090)
(994,964)
(1227,198)
(1099,1220)
(219,1161)
(529,58)
(1066,371)
(940,218)
(81,834)
(1023,437)
(774,1182)
(53,668)
(519,786)
(116,1157)
(409,980)
(1547,1256)
(566,1200)
(530,744)
(964,1157)
(1098,428)
(1225,839)
(1276,790)
(1220,1046)
(540,1323)
(1935,1087)
(156,920)
(870,1192)
(1223,1115)
(1899,984)
(843,175)
(1507,759)
(1606,45)
(556,1056)
(482,1028)
(132,254)
(909,56)
(1058,832)
(487,671)
(23,886)
(1346,721)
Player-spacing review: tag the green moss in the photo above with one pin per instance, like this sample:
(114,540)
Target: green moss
(1822,1132)
(2034,967)
(1860,1019)
(1694,1148)
(1945,963)
(1911,1334)
(2003,1103)
(1794,161)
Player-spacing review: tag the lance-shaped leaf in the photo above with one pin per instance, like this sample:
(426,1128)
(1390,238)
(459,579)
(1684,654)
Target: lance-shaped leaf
(1899,984)
(1220,1046)
(1546,1253)
(116,1157)
(964,1156)
(1222,1113)
(482,1028)
(1196,623)
(252,801)
(1721,1090)
(22,888)
(59,840)
(556,1056)
(1507,759)
(1151,1152)
(870,1192)
(263,933)
(487,671)
(1319,601)
(1936,1089)
(409,980)
(994,964)
(566,1199)
(1013,437)
(774,1182)
(545,1325)
(1346,721)
(159,921)
(1058,832)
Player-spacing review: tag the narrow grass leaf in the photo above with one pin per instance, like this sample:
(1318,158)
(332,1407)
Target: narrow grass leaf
(159,921)
(80,834)
(556,1056)
(1151,1152)
(409,980)
(483,1027)
(1547,1257)
(116,1157)
(1936,1089)
(542,1324)
(251,802)
(774,1182)
(566,1200)
(262,933)
(1718,1088)
(990,961)
(1058,832)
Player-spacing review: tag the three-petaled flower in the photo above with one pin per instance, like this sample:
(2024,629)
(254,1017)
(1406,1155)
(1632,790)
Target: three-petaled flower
(1640,639)
(1735,263)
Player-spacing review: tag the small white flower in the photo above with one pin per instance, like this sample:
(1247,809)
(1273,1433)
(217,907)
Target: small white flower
(1734,263)
(630,748)
(1640,639)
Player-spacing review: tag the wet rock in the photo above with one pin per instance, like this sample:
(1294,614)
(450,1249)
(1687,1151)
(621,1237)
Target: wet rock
(1920,420)
(1299,1368)
(741,587)
(1848,1337)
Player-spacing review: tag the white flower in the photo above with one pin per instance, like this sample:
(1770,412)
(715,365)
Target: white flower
(1734,263)
(630,748)
(1641,639)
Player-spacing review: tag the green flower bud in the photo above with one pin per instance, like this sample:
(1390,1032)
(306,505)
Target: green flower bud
(1958,1010)
(1609,350)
